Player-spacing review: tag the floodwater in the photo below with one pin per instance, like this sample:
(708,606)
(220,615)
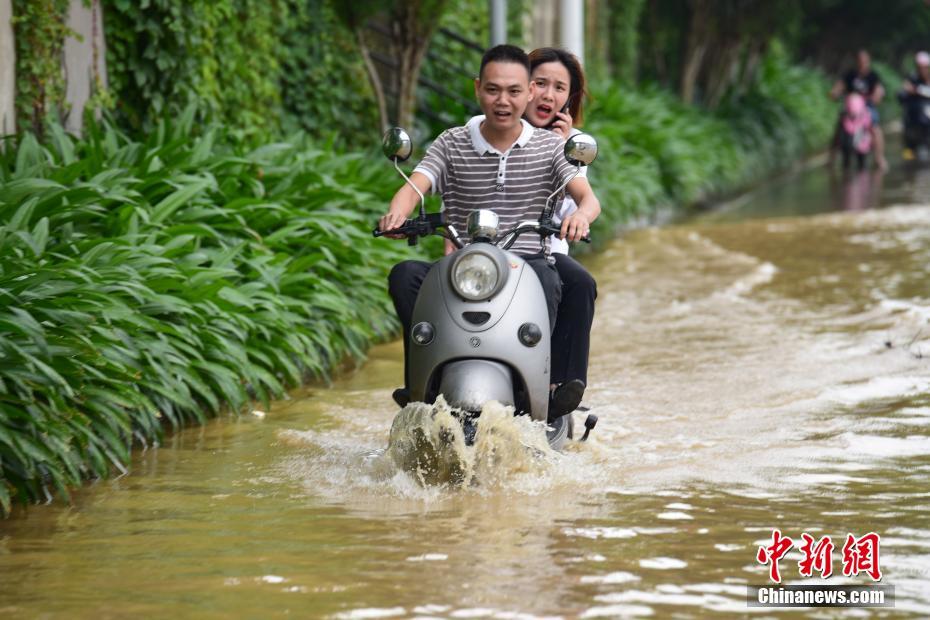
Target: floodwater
(764,366)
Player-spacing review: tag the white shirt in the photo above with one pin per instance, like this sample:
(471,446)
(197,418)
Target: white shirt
(564,209)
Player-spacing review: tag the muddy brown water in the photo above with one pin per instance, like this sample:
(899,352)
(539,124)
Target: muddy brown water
(764,366)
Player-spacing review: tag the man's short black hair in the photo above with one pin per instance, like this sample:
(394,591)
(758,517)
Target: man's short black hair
(505,53)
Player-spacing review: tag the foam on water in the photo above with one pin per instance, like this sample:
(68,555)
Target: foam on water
(610,578)
(676,596)
(372,612)
(663,563)
(877,388)
(918,310)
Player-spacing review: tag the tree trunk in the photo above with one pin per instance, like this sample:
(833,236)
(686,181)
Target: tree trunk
(597,48)
(693,60)
(696,48)
(7,71)
(658,59)
(84,60)
(722,71)
(414,23)
(375,79)
(750,64)
(624,16)
(400,32)
(544,24)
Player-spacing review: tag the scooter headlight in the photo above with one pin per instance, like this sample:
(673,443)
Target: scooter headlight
(475,276)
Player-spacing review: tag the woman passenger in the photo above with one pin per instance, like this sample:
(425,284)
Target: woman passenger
(558,106)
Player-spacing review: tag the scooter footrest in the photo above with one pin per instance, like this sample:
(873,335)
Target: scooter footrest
(589,424)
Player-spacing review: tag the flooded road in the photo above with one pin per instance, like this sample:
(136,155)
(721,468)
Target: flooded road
(765,366)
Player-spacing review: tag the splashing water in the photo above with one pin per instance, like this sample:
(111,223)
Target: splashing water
(428,442)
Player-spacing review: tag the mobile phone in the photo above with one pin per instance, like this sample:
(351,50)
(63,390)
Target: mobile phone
(564,110)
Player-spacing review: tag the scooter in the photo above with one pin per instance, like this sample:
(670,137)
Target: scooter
(480,328)
(916,109)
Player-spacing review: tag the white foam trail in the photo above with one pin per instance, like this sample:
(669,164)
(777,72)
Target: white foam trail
(371,612)
(600,532)
(877,446)
(763,274)
(669,594)
(917,310)
(611,578)
(617,611)
(429,557)
(663,563)
(877,389)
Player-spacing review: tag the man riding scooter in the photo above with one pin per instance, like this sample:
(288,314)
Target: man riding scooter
(501,164)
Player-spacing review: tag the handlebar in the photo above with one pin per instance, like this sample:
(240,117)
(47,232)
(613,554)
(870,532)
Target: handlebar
(421,227)
(555,230)
(407,227)
(545,229)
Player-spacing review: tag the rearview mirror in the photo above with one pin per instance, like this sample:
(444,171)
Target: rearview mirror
(396,144)
(581,150)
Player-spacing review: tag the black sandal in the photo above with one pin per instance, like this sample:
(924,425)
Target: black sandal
(401,396)
(565,398)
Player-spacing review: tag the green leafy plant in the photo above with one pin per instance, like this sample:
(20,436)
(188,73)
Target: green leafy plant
(261,67)
(163,55)
(154,283)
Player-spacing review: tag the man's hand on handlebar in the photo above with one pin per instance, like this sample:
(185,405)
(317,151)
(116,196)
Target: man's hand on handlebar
(390,221)
(575,227)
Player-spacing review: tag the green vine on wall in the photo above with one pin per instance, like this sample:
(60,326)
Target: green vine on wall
(325,89)
(222,54)
(258,66)
(40,31)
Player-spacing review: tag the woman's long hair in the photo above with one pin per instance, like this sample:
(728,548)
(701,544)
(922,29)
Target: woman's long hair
(576,91)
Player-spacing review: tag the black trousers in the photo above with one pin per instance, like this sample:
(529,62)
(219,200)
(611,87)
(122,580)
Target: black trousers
(406,278)
(571,340)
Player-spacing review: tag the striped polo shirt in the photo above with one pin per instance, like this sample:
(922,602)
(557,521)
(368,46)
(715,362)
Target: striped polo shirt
(471,174)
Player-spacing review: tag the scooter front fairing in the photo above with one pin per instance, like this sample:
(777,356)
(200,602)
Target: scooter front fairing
(477,353)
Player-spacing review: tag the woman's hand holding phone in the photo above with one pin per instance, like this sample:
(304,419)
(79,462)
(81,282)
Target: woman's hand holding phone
(562,124)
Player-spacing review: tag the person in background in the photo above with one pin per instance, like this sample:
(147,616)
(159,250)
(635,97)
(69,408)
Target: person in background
(910,97)
(866,82)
